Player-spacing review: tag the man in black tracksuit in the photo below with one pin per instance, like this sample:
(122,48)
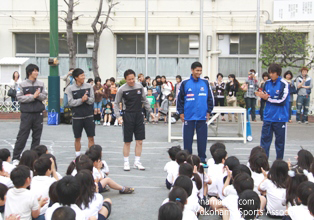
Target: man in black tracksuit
(81,100)
(30,93)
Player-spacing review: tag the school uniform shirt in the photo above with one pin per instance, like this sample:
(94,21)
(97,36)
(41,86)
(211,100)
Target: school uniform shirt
(300,212)
(21,202)
(195,194)
(230,190)
(258,178)
(94,206)
(6,181)
(97,174)
(195,208)
(105,168)
(80,215)
(172,169)
(7,167)
(310,177)
(204,177)
(40,188)
(188,214)
(275,204)
(220,184)
(214,172)
(210,162)
(231,203)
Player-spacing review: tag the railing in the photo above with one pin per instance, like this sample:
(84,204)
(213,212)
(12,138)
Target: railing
(8,106)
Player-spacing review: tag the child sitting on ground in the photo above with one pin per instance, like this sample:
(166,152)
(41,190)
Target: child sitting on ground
(63,213)
(40,150)
(172,165)
(249,204)
(3,192)
(5,156)
(164,108)
(104,167)
(20,200)
(181,157)
(213,148)
(170,210)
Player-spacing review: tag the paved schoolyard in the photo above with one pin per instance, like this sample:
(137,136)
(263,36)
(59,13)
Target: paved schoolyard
(149,185)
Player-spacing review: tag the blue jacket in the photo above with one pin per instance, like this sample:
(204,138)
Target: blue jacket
(277,105)
(195,99)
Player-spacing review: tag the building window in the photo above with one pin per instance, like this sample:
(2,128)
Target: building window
(243,44)
(169,54)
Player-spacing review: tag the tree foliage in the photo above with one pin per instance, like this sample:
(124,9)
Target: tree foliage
(286,48)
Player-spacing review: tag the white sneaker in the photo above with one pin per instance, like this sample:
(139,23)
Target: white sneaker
(16,162)
(116,123)
(299,122)
(306,122)
(104,124)
(138,165)
(126,166)
(108,124)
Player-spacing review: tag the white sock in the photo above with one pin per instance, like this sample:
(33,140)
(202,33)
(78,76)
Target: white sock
(126,159)
(137,159)
(77,153)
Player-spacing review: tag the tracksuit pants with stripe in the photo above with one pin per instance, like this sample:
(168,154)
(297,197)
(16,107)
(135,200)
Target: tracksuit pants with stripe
(279,128)
(201,133)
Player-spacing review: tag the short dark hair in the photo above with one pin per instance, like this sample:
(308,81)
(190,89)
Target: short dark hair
(90,80)
(28,158)
(252,71)
(206,77)
(63,213)
(76,72)
(19,175)
(3,191)
(68,189)
(147,77)
(219,155)
(232,162)
(265,74)
(93,155)
(241,169)
(173,152)
(184,182)
(149,89)
(41,166)
(4,154)
(304,190)
(83,162)
(53,193)
(50,156)
(71,69)
(181,156)
(249,204)
(310,203)
(97,79)
(178,195)
(242,182)
(186,169)
(170,211)
(259,161)
(275,68)
(219,74)
(179,77)
(112,79)
(195,65)
(215,146)
(288,73)
(40,150)
(129,72)
(30,68)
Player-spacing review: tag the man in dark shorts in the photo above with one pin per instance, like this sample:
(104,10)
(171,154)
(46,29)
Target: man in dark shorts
(132,96)
(81,101)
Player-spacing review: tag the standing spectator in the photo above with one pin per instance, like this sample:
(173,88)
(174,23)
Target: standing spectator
(140,78)
(304,85)
(195,92)
(177,87)
(81,100)
(220,93)
(249,96)
(151,99)
(148,84)
(98,91)
(113,88)
(68,79)
(133,97)
(31,93)
(232,88)
(265,77)
(292,90)
(90,81)
(166,88)
(156,93)
(276,113)
(158,79)
(15,81)
(106,96)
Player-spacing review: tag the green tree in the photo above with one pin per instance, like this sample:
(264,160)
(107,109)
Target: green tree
(286,48)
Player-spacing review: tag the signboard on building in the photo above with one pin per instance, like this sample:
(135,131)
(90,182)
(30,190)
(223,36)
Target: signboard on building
(293,10)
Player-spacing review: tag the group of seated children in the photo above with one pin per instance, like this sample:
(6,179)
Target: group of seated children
(35,190)
(236,191)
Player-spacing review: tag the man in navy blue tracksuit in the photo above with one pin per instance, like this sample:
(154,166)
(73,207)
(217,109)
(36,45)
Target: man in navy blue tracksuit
(276,113)
(195,102)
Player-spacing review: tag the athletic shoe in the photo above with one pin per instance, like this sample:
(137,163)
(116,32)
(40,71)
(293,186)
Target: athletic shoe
(127,190)
(299,122)
(126,166)
(306,122)
(116,123)
(99,122)
(138,165)
(95,122)
(15,162)
(108,124)
(105,124)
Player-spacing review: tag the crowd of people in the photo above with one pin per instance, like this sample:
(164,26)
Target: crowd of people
(238,191)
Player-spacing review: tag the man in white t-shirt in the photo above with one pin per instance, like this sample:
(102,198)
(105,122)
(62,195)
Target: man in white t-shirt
(20,200)
(68,190)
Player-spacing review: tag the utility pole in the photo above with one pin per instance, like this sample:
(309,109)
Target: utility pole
(201,29)
(54,78)
(257,36)
(146,38)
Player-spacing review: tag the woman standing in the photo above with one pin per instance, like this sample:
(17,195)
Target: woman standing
(251,87)
(177,87)
(15,81)
(166,88)
(232,88)
(99,92)
(265,77)
(220,87)
(292,90)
